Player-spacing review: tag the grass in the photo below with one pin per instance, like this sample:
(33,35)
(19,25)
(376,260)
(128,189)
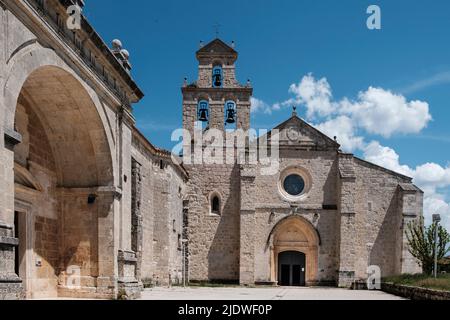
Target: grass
(422,281)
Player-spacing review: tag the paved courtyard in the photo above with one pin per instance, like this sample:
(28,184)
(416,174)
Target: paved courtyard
(177,293)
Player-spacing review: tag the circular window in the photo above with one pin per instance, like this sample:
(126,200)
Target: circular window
(294,185)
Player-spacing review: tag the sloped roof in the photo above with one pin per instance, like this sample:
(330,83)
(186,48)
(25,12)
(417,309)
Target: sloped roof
(217,48)
(304,134)
(409,187)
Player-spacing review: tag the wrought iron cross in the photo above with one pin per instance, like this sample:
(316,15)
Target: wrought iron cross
(217,29)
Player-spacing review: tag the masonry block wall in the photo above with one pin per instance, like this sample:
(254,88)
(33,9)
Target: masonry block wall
(162,193)
(35,155)
(411,207)
(214,239)
(271,208)
(377,225)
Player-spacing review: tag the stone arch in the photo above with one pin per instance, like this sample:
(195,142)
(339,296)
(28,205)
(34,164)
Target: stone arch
(217,62)
(203,97)
(70,220)
(230,97)
(295,233)
(25,71)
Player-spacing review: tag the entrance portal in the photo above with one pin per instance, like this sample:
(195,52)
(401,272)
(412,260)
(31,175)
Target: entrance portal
(292,269)
(294,243)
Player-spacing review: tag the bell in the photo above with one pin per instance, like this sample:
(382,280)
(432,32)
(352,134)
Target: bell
(217,80)
(203,115)
(231,113)
(203,112)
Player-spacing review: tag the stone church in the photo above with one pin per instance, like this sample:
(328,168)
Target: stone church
(90,208)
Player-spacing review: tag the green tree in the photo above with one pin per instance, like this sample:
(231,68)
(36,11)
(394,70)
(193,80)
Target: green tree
(422,246)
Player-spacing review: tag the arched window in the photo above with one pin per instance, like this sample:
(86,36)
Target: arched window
(230,115)
(215,205)
(203,114)
(217,77)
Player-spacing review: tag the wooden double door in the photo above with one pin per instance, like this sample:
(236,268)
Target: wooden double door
(292,269)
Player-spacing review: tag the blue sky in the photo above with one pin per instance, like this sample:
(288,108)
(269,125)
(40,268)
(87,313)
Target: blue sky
(281,42)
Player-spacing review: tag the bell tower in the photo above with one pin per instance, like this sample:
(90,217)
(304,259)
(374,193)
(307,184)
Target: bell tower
(216,100)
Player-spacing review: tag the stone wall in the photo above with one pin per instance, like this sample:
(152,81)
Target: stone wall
(214,239)
(47,256)
(415,293)
(379,219)
(64,96)
(35,157)
(163,185)
(272,207)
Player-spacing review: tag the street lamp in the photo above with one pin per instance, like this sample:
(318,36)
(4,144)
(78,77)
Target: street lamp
(184,242)
(436,220)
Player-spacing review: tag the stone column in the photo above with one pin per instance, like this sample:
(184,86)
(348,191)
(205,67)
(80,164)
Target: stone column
(10,283)
(347,221)
(125,179)
(130,285)
(126,258)
(410,210)
(217,116)
(243,115)
(205,70)
(247,226)
(108,241)
(136,215)
(229,76)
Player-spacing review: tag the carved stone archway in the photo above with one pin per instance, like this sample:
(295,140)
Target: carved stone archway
(295,234)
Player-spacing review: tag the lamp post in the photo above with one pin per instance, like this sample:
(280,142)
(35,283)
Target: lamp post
(184,242)
(436,220)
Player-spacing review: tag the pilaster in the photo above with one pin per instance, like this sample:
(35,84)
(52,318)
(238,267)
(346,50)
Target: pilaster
(347,220)
(247,226)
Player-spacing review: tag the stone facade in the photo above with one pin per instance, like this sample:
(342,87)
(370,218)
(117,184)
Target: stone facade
(351,215)
(162,186)
(90,208)
(77,214)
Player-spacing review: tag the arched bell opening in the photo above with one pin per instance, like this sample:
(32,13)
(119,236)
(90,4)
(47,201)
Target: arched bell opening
(217,76)
(230,116)
(203,114)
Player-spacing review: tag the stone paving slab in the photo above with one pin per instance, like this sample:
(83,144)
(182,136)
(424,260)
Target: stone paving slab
(309,294)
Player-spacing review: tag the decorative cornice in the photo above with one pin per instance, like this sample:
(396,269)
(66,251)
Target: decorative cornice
(87,33)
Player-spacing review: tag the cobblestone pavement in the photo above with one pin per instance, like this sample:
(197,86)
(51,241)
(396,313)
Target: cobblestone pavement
(263,294)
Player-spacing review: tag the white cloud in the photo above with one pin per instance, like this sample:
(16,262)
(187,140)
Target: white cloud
(433,175)
(386,157)
(342,127)
(375,111)
(382,112)
(259,106)
(435,204)
(430,177)
(437,79)
(316,95)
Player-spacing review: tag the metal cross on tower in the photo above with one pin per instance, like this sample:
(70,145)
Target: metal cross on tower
(217,29)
